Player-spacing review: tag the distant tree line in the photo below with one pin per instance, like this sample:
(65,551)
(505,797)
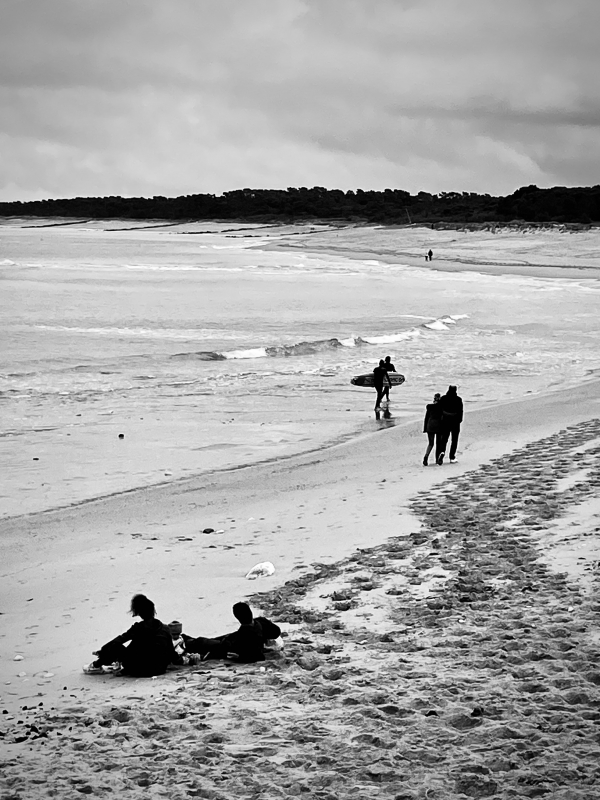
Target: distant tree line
(391,206)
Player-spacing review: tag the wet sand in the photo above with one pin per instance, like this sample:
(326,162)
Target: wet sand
(441,624)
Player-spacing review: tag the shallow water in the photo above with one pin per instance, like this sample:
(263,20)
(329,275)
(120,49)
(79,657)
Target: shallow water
(207,351)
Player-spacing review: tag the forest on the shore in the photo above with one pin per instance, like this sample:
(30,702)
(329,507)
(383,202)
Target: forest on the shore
(559,204)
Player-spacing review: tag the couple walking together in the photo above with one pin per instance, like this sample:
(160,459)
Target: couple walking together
(442,422)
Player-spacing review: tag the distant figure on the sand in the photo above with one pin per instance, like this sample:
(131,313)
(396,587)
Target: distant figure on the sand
(452,416)
(430,254)
(432,426)
(150,649)
(380,381)
(246,645)
(389,367)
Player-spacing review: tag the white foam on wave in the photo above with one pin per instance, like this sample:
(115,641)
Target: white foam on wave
(240,246)
(395,337)
(436,325)
(257,352)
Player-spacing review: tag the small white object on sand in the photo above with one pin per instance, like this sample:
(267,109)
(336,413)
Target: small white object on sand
(259,570)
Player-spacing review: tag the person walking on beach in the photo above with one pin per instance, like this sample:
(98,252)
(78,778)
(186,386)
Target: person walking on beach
(150,649)
(432,426)
(430,254)
(452,417)
(380,379)
(389,367)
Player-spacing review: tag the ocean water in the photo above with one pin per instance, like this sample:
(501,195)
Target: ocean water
(205,350)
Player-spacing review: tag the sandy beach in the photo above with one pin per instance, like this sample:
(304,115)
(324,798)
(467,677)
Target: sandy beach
(441,626)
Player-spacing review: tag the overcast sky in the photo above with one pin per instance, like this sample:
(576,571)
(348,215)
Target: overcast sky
(149,97)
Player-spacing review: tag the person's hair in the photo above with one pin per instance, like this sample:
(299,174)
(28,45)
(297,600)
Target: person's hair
(142,607)
(436,396)
(381,362)
(451,390)
(243,613)
(388,358)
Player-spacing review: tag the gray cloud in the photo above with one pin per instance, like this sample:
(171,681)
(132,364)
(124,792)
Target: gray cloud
(148,97)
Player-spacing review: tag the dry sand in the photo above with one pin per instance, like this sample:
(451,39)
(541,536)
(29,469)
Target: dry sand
(441,627)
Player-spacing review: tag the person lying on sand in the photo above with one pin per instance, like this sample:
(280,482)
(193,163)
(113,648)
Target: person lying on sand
(246,645)
(150,649)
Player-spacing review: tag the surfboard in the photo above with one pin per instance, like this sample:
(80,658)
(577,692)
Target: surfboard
(367,380)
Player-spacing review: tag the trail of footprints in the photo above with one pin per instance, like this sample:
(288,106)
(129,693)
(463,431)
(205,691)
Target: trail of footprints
(488,686)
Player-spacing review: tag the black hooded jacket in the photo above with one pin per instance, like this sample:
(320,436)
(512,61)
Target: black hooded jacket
(452,408)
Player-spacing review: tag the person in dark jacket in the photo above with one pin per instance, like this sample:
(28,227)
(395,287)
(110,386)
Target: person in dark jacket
(150,649)
(432,426)
(452,417)
(380,381)
(246,645)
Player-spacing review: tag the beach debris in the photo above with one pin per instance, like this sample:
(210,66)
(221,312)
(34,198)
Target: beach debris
(121,436)
(208,530)
(265,568)
(18,658)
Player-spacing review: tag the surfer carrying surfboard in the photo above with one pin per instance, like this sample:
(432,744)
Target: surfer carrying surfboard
(381,383)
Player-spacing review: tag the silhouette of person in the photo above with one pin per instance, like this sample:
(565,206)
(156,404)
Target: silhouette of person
(380,379)
(389,367)
(432,426)
(150,649)
(430,254)
(452,417)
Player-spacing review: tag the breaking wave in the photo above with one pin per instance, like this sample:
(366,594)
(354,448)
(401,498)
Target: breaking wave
(323,345)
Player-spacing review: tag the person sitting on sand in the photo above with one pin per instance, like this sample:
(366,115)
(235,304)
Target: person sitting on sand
(246,645)
(150,649)
(389,367)
(452,416)
(183,658)
(432,426)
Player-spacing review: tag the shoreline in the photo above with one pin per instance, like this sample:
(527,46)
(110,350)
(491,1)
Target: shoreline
(440,263)
(353,437)
(64,570)
(445,658)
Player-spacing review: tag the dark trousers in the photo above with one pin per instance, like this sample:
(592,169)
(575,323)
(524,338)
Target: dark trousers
(437,440)
(133,662)
(380,395)
(112,652)
(207,647)
(452,434)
